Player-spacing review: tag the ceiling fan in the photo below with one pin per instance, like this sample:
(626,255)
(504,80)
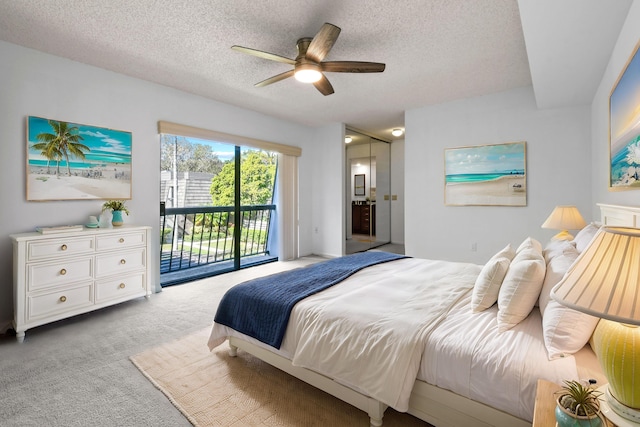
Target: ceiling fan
(308,66)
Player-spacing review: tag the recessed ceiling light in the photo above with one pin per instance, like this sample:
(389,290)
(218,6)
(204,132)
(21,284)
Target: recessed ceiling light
(347,139)
(397,132)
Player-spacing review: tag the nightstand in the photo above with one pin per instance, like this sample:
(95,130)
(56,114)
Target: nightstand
(544,412)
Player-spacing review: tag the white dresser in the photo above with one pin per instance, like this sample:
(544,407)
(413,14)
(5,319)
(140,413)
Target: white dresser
(60,275)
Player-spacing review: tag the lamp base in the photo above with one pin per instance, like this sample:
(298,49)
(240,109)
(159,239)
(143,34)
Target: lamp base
(563,235)
(621,415)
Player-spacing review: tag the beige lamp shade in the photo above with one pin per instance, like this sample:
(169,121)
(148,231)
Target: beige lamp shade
(605,282)
(605,279)
(564,218)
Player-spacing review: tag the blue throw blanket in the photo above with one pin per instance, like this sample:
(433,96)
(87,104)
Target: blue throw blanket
(261,307)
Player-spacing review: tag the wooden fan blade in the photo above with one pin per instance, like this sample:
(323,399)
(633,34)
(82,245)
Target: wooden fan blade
(322,42)
(275,78)
(264,55)
(324,86)
(352,67)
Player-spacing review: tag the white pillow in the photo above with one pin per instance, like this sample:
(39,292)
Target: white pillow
(560,255)
(558,247)
(530,242)
(487,286)
(565,330)
(584,236)
(521,286)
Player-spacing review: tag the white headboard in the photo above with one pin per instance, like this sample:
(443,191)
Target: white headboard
(623,216)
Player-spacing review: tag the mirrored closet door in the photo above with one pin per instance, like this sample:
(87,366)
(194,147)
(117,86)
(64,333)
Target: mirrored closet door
(367,190)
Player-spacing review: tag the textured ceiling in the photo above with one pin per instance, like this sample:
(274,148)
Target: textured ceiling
(435,50)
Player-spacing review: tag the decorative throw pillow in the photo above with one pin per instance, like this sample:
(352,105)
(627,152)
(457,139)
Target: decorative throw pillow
(487,286)
(565,331)
(557,247)
(530,242)
(560,255)
(585,236)
(521,286)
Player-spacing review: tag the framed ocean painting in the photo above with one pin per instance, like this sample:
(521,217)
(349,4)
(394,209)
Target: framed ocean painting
(624,128)
(486,175)
(71,161)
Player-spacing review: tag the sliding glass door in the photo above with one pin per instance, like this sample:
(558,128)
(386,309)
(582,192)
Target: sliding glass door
(218,205)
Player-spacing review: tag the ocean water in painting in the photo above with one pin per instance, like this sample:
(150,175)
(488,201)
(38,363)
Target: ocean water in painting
(625,163)
(108,146)
(481,177)
(484,163)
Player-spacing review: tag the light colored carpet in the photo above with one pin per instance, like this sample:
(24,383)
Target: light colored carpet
(215,389)
(77,372)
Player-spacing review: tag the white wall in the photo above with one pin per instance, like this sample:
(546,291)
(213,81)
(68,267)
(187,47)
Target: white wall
(397,189)
(33,83)
(627,41)
(558,159)
(326,192)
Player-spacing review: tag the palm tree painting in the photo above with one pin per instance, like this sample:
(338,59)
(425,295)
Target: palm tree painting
(70,161)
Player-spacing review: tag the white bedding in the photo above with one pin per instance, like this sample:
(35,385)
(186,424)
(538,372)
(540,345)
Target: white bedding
(466,354)
(448,345)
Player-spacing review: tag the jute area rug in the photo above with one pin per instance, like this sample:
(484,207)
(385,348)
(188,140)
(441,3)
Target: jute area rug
(215,389)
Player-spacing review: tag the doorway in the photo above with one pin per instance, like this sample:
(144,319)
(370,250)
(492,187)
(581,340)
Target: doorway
(218,202)
(368,189)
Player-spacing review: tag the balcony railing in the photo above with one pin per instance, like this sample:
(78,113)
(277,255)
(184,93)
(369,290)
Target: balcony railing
(198,236)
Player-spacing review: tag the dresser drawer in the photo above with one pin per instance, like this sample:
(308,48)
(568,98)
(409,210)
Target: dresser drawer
(41,275)
(120,240)
(120,287)
(60,301)
(59,247)
(120,262)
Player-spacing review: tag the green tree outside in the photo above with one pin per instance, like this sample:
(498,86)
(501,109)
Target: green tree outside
(191,157)
(257,177)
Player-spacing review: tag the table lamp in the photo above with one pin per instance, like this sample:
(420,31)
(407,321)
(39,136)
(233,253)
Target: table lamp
(564,218)
(605,282)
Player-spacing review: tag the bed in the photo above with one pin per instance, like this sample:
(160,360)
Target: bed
(427,337)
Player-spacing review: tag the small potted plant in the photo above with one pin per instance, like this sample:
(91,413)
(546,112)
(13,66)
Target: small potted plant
(578,405)
(116,207)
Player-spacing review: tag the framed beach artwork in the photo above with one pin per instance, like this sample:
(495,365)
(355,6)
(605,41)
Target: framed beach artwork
(71,161)
(624,128)
(486,175)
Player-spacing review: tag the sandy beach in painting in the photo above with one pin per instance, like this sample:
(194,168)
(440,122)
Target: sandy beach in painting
(112,181)
(506,191)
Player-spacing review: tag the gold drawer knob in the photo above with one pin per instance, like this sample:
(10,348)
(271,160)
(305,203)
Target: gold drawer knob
(121,240)
(123,261)
(122,286)
(63,272)
(63,298)
(63,247)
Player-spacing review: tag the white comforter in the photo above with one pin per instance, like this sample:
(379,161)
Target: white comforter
(394,317)
(419,324)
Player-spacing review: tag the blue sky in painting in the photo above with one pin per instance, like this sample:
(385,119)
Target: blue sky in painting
(625,105)
(485,159)
(107,145)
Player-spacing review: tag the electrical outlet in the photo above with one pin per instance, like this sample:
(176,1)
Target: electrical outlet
(315,230)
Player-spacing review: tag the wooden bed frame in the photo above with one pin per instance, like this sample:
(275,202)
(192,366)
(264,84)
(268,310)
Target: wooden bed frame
(432,404)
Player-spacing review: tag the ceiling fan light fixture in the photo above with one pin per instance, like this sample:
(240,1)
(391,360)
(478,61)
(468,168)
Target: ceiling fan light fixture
(397,132)
(308,73)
